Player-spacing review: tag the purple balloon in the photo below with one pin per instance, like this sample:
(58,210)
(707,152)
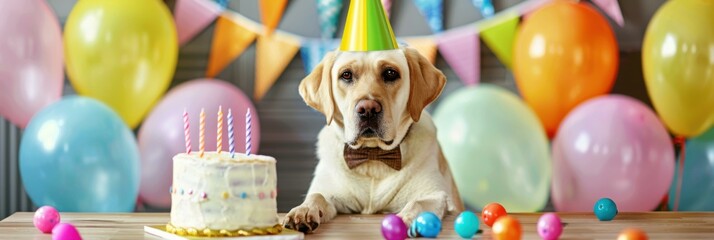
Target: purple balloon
(65,231)
(611,146)
(393,228)
(162,134)
(549,226)
(31,65)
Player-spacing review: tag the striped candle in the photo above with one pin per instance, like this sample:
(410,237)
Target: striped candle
(247,132)
(219,131)
(231,138)
(186,132)
(201,133)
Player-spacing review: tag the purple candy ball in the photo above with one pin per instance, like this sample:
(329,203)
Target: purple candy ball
(393,228)
(549,226)
(46,218)
(65,231)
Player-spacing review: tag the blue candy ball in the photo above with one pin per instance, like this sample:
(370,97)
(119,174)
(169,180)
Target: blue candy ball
(427,225)
(466,224)
(605,209)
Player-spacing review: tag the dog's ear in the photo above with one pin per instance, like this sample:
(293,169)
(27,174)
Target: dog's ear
(316,88)
(426,82)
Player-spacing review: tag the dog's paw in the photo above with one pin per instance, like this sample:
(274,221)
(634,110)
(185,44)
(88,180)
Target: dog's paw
(303,218)
(407,217)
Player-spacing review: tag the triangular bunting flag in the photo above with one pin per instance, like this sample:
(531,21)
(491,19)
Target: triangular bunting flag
(612,9)
(433,11)
(387,4)
(499,34)
(313,51)
(328,12)
(230,39)
(192,16)
(425,46)
(271,11)
(274,53)
(462,52)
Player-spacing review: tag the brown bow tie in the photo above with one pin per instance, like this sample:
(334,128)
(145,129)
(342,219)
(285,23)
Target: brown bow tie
(356,157)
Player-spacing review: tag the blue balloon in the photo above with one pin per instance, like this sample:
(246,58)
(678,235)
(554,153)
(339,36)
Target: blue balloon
(605,209)
(466,224)
(78,156)
(427,225)
(697,192)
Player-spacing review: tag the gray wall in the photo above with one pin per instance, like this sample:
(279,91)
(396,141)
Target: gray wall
(289,127)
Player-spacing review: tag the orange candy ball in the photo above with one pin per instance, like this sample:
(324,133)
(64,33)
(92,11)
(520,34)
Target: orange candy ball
(492,212)
(507,228)
(632,234)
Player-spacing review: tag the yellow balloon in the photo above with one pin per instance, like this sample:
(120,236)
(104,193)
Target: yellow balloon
(122,53)
(678,65)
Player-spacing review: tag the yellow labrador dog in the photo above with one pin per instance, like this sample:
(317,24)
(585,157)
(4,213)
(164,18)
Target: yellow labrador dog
(378,152)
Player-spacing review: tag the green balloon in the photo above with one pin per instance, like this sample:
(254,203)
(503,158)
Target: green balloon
(496,147)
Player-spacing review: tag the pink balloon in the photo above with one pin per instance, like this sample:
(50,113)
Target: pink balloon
(31,74)
(611,146)
(162,134)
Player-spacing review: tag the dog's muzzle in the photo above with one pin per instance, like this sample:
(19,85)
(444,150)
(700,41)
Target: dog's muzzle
(369,113)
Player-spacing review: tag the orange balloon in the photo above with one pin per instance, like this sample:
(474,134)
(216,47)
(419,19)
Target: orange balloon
(565,53)
(632,234)
(507,228)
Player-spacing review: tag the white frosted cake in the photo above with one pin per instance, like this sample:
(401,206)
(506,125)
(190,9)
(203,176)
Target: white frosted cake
(216,195)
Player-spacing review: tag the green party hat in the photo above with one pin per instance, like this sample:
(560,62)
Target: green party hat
(367,28)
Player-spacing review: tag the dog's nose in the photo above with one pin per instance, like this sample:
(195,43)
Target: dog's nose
(368,108)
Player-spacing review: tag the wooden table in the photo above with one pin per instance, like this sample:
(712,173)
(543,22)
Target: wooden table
(658,225)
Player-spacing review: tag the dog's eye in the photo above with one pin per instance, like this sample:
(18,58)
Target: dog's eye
(346,76)
(390,75)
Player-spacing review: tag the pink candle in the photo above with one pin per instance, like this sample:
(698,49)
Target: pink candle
(186,132)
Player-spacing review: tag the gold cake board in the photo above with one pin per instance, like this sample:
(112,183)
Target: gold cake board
(160,231)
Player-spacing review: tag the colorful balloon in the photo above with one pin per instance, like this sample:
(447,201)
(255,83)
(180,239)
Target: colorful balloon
(31,69)
(507,228)
(496,148)
(45,218)
(466,224)
(605,209)
(393,228)
(565,53)
(492,212)
(549,226)
(612,146)
(78,156)
(632,234)
(427,225)
(121,54)
(678,65)
(65,231)
(162,134)
(697,181)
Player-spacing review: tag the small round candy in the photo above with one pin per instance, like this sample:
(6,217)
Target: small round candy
(427,225)
(549,226)
(632,234)
(605,209)
(46,218)
(492,212)
(393,228)
(507,228)
(466,224)
(65,231)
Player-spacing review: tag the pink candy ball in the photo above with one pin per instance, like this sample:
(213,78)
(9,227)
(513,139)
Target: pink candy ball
(46,218)
(549,226)
(65,231)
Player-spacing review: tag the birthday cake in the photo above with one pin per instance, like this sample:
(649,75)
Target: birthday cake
(221,195)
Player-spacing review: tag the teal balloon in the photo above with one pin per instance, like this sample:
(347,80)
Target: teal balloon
(496,147)
(78,156)
(697,192)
